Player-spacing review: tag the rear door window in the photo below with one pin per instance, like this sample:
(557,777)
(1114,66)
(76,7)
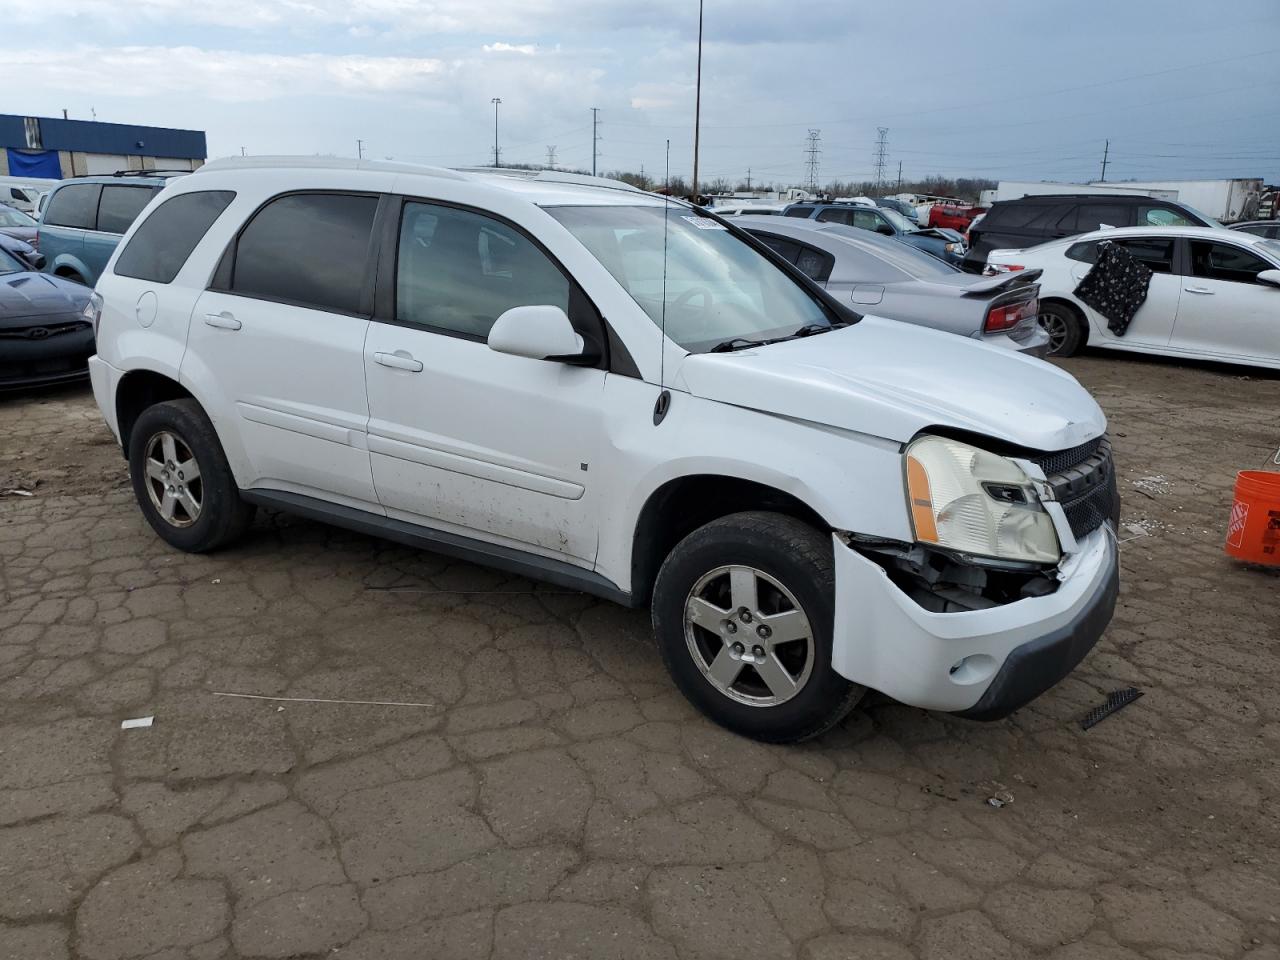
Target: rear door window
(308,249)
(836,215)
(163,242)
(1225,261)
(120,206)
(797,212)
(1016,215)
(75,205)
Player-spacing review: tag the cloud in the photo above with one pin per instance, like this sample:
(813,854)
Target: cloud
(221,74)
(528,49)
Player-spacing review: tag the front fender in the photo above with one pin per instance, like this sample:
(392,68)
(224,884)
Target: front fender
(852,481)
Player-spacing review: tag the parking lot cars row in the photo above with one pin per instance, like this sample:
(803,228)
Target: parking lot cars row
(556,376)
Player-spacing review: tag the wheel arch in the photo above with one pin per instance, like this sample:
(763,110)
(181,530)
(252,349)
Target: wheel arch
(683,504)
(1074,309)
(138,390)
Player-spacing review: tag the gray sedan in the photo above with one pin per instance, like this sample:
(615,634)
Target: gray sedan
(883,276)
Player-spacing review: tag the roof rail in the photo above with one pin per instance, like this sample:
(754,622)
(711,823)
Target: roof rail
(554,176)
(159,172)
(328,163)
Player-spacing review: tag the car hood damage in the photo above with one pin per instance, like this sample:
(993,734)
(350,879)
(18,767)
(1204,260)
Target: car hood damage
(894,380)
(24,296)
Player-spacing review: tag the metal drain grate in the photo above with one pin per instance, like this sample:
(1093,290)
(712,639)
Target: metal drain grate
(1115,701)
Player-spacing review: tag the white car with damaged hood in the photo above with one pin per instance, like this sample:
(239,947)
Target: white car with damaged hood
(586,384)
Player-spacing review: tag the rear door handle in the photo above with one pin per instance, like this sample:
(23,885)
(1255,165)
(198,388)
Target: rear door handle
(399,360)
(1197,290)
(224,321)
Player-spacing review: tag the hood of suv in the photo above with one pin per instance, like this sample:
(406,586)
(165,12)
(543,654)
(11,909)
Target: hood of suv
(892,380)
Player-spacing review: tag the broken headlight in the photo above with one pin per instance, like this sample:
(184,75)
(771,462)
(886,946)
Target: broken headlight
(966,499)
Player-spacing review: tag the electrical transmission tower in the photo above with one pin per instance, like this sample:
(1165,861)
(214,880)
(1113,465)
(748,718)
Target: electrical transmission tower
(882,147)
(551,156)
(811,153)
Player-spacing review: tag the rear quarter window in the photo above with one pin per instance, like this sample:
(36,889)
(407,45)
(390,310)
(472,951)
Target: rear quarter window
(75,205)
(163,242)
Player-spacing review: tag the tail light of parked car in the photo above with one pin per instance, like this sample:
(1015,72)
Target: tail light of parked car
(93,312)
(992,269)
(1009,315)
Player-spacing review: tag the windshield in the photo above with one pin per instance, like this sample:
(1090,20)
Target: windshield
(1271,248)
(900,223)
(10,264)
(718,287)
(9,217)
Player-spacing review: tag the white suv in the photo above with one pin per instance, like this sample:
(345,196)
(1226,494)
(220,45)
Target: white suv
(594,386)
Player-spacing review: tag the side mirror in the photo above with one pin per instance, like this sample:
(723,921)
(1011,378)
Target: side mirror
(539,333)
(885,229)
(37,261)
(1270,277)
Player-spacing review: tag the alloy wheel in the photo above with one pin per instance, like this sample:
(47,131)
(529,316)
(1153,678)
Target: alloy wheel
(173,479)
(749,636)
(1056,327)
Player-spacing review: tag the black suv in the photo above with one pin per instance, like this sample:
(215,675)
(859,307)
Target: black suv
(1028,221)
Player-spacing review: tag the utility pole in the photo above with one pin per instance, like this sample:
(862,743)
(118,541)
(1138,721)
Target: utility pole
(359,149)
(242,151)
(495,101)
(1105,150)
(899,176)
(748,179)
(595,138)
(811,153)
(697,107)
(551,156)
(882,144)
(64,113)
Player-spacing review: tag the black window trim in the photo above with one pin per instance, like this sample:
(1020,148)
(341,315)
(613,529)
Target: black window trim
(370,266)
(1226,243)
(587,318)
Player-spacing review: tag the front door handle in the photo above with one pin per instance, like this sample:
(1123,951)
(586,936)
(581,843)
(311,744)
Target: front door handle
(1197,290)
(400,360)
(223,321)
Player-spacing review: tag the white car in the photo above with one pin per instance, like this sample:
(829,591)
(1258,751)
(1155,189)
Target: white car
(591,385)
(1214,294)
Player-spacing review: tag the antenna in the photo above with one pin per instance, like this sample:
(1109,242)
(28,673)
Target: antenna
(664,395)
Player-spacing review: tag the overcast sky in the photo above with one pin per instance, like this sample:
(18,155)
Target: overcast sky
(1022,90)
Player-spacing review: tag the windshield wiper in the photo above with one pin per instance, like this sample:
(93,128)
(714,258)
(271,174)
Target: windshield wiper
(737,343)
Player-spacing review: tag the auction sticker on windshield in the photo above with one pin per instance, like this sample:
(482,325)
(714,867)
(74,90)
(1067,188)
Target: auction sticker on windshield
(702,223)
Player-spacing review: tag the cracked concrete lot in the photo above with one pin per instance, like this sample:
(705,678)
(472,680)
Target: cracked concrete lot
(557,798)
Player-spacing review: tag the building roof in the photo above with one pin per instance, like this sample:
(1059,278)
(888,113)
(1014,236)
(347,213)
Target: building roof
(91,136)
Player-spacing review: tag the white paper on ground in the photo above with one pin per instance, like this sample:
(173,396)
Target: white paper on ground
(136,722)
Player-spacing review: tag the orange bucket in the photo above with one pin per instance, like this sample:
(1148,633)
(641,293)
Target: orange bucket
(1253,532)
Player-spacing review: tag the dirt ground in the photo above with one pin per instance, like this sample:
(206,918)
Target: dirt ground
(540,789)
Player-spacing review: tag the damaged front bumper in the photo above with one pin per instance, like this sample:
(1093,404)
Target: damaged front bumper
(981,663)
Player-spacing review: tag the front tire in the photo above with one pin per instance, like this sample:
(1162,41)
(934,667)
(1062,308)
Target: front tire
(743,610)
(1065,328)
(181,478)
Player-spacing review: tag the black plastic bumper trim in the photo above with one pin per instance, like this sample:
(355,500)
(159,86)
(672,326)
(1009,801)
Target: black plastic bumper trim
(1039,664)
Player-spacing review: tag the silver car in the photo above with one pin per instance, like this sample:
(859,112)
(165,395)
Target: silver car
(892,279)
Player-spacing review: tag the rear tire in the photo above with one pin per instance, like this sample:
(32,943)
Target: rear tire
(181,478)
(1066,329)
(743,611)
